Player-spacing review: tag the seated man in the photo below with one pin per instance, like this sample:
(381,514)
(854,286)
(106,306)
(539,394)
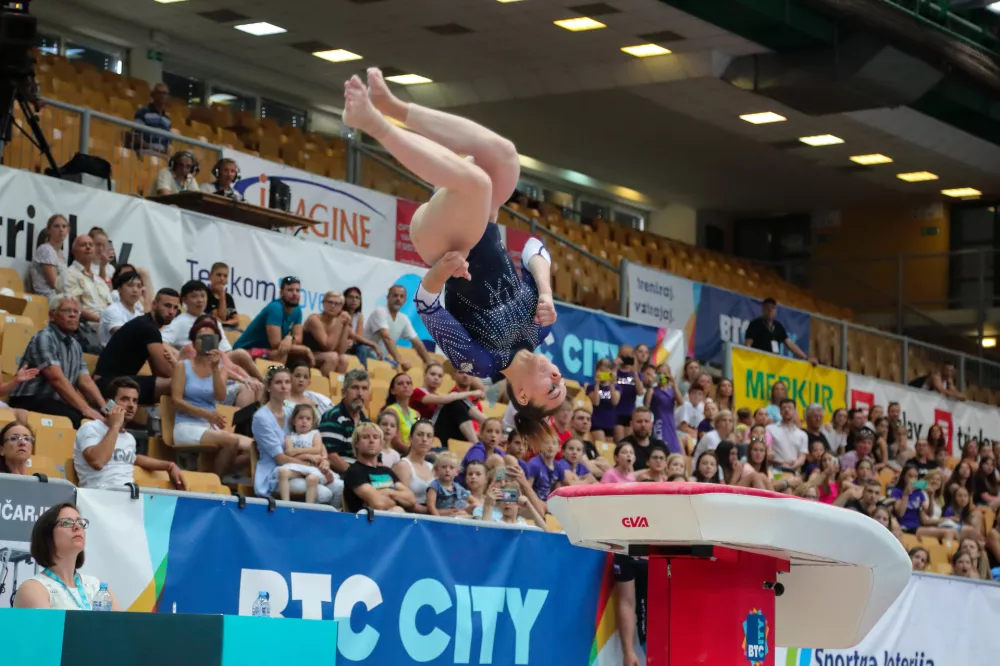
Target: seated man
(128,285)
(337,424)
(276,332)
(220,301)
(238,363)
(942,380)
(139,342)
(103,455)
(367,483)
(154,115)
(178,175)
(387,325)
(226,174)
(63,386)
(89,290)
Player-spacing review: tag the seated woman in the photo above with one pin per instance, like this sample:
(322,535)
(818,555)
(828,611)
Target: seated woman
(960,517)
(706,469)
(198,385)
(574,469)
(886,519)
(919,558)
(360,346)
(985,483)
(301,395)
(829,483)
(398,401)
(327,334)
(909,498)
(932,522)
(58,540)
(17,445)
(414,470)
(734,472)
(976,552)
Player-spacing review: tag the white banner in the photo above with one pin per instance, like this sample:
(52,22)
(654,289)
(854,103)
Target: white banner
(961,421)
(178,245)
(937,621)
(660,299)
(346,215)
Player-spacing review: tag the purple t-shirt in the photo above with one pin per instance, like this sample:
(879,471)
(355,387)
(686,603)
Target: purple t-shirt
(603,416)
(580,470)
(626,386)
(542,477)
(664,428)
(476,452)
(910,520)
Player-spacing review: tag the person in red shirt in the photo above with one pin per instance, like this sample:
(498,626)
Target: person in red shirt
(560,422)
(426,400)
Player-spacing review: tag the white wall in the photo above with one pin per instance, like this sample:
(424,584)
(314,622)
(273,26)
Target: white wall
(675,221)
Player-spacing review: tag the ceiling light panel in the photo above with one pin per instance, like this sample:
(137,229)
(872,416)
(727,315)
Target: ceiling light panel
(580,24)
(962,192)
(763,118)
(646,50)
(821,140)
(872,159)
(261,29)
(917,176)
(408,79)
(337,55)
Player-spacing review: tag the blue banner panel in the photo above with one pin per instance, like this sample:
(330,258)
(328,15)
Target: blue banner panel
(402,590)
(580,338)
(723,316)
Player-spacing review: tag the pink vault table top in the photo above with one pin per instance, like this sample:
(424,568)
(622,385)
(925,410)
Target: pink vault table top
(843,566)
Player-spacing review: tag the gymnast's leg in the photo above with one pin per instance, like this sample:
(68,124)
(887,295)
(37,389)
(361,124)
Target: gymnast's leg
(494,154)
(456,216)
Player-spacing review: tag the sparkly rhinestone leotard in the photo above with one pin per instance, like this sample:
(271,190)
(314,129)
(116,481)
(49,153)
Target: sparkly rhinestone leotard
(485,321)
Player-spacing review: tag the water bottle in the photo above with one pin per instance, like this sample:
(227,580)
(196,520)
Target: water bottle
(102,600)
(262,606)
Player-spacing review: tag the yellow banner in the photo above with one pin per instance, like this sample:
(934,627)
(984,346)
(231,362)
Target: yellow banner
(754,373)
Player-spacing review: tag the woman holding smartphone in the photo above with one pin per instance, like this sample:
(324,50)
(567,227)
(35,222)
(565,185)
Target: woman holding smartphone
(198,385)
(663,398)
(604,396)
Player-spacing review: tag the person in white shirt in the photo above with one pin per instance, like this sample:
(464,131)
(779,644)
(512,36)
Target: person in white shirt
(692,412)
(104,455)
(245,379)
(58,539)
(724,427)
(387,325)
(789,443)
(128,286)
(178,175)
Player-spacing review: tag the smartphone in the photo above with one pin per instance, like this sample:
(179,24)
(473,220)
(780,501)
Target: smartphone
(604,375)
(209,342)
(628,360)
(510,496)
(501,473)
(920,485)
(663,379)
(109,406)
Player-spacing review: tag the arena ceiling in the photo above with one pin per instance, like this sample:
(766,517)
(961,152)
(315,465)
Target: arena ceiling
(666,126)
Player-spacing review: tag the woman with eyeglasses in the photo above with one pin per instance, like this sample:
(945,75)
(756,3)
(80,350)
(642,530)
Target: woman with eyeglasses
(57,543)
(17,444)
(492,316)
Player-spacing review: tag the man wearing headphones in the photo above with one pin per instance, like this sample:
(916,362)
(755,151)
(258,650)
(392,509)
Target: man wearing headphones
(178,175)
(226,174)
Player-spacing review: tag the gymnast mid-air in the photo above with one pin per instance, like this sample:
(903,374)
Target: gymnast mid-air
(492,318)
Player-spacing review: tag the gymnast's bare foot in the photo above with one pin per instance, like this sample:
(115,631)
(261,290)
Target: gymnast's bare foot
(359,112)
(382,97)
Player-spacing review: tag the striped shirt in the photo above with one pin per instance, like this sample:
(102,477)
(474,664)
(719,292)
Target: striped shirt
(336,427)
(49,347)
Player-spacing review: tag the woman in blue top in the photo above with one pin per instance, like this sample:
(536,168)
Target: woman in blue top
(198,385)
(489,326)
(909,499)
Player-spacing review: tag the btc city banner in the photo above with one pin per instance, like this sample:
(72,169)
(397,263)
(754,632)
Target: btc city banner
(403,590)
(347,216)
(723,316)
(581,337)
(960,421)
(662,300)
(755,372)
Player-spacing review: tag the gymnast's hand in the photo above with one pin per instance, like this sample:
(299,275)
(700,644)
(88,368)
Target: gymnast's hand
(545,311)
(452,264)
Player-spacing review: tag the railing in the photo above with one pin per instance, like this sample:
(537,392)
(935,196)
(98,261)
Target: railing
(840,344)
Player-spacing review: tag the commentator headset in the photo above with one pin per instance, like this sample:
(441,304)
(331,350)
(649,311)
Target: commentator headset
(220,163)
(184,153)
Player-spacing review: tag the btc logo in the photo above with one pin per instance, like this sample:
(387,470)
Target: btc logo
(635,521)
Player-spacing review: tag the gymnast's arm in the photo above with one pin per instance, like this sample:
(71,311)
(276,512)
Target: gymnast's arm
(539,264)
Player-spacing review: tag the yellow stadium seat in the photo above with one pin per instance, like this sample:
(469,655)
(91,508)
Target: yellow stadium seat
(45,421)
(55,442)
(11,279)
(202,482)
(459,447)
(70,471)
(44,465)
(6,416)
(551,524)
(319,384)
(158,479)
(17,332)
(380,370)
(910,541)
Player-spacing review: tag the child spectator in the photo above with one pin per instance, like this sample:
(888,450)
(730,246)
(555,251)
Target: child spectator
(932,520)
(864,471)
(220,301)
(542,471)
(624,469)
(744,419)
(824,479)
(388,420)
(760,418)
(734,472)
(560,421)
(490,439)
(677,464)
(985,490)
(757,458)
(476,484)
(517,448)
(962,565)
(445,497)
(960,518)
(711,410)
(976,553)
(305,444)
(572,464)
(690,415)
(816,452)
(909,498)
(604,396)
(706,469)
(656,469)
